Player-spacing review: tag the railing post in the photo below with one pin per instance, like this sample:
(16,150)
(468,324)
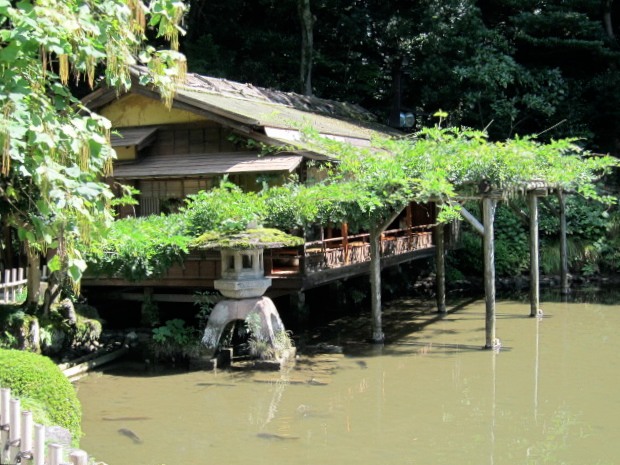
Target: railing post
(15,429)
(39,445)
(5,396)
(26,432)
(78,457)
(54,453)
(13,292)
(5,285)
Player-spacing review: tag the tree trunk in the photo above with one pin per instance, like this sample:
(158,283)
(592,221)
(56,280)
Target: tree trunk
(607,22)
(54,286)
(375,284)
(394,119)
(307,45)
(34,277)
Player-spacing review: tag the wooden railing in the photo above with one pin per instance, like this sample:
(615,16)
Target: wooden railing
(340,251)
(13,283)
(22,441)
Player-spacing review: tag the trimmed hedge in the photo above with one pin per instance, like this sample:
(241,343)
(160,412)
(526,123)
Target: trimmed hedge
(42,388)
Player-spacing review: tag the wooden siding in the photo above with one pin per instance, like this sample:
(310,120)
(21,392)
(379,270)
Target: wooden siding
(206,137)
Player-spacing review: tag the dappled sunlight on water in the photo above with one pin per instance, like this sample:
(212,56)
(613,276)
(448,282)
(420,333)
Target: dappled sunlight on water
(429,396)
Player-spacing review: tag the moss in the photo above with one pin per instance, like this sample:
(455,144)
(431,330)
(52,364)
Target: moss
(42,387)
(259,238)
(18,329)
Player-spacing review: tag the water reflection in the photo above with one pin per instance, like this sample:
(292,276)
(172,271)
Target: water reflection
(430,396)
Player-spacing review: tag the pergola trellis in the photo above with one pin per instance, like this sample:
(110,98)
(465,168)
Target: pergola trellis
(489,198)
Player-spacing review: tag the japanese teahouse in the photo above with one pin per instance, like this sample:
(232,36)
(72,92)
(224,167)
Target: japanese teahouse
(252,135)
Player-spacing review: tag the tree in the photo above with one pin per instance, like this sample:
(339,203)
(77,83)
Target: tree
(307,46)
(54,152)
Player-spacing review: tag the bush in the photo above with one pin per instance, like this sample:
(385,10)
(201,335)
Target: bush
(42,388)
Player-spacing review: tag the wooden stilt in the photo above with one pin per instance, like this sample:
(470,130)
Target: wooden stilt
(532,201)
(298,303)
(488,213)
(440,265)
(375,284)
(564,284)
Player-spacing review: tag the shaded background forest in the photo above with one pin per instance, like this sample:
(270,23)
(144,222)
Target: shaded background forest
(512,66)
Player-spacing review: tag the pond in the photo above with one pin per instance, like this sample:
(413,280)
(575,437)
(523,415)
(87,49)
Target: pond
(428,396)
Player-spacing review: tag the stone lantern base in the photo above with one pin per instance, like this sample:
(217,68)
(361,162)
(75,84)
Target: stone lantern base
(268,330)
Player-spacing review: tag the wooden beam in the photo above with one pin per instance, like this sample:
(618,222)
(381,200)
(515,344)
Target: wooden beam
(523,217)
(488,215)
(471,219)
(548,204)
(532,200)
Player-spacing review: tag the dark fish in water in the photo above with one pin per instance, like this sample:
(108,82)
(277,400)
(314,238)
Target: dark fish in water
(125,418)
(362,364)
(131,435)
(316,382)
(216,384)
(280,437)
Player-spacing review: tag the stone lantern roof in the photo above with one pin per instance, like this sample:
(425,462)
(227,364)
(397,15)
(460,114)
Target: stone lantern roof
(243,273)
(255,238)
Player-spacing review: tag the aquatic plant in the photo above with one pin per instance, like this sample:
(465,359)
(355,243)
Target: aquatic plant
(259,344)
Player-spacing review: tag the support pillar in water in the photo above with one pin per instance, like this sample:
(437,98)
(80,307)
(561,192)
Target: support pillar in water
(440,265)
(488,213)
(532,201)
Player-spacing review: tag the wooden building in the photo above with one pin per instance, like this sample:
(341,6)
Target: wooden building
(253,135)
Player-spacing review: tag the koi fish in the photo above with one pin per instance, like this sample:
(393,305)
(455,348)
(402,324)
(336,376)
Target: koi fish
(131,435)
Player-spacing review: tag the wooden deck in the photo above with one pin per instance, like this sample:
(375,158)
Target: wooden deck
(294,269)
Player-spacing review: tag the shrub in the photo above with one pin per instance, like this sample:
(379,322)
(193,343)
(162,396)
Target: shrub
(175,340)
(42,388)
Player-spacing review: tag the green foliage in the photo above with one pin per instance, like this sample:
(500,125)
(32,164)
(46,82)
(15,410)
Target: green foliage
(140,248)
(175,340)
(40,385)
(225,209)
(205,301)
(592,238)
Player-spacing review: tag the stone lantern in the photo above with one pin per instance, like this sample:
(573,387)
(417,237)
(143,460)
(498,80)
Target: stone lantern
(243,274)
(243,284)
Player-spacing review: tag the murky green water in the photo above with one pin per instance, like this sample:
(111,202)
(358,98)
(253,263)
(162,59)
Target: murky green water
(431,396)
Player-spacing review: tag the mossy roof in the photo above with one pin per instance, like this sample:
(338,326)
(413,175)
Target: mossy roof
(258,238)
